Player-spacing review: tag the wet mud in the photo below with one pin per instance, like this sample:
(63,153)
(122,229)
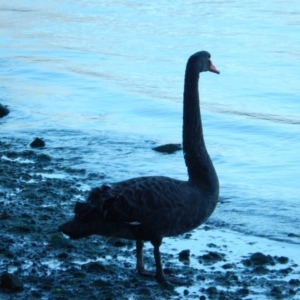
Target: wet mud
(37,262)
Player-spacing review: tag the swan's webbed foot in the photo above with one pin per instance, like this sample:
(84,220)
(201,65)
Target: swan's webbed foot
(168,280)
(163,279)
(147,273)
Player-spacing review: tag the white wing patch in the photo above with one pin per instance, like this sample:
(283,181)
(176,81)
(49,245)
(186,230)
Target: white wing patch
(134,223)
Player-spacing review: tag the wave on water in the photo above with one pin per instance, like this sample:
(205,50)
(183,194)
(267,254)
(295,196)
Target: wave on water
(254,115)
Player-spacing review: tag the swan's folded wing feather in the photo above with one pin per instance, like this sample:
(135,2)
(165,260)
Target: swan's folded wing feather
(135,200)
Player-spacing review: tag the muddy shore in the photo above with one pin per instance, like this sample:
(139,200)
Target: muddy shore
(37,193)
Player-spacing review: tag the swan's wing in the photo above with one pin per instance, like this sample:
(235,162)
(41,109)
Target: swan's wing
(139,199)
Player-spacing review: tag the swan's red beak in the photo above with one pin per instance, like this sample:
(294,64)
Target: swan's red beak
(212,68)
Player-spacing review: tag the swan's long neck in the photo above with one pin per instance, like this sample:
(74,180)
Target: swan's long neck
(196,157)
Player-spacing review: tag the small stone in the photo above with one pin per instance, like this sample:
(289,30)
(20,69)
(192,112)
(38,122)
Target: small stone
(212,290)
(101,283)
(276,292)
(227,266)
(286,271)
(243,292)
(37,143)
(211,257)
(295,282)
(293,235)
(261,270)
(282,259)
(187,235)
(93,267)
(4,215)
(11,282)
(200,277)
(185,292)
(258,259)
(292,292)
(184,255)
(222,296)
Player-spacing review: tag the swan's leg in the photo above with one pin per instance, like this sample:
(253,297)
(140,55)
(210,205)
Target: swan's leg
(160,276)
(139,260)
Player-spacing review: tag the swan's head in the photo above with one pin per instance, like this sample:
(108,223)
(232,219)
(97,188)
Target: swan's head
(203,62)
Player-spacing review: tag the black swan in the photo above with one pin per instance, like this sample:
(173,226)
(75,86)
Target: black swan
(153,207)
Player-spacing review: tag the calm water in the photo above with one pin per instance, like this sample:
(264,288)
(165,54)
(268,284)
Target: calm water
(101,82)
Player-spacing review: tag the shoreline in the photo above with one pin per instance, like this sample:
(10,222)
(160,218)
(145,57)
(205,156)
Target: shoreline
(35,198)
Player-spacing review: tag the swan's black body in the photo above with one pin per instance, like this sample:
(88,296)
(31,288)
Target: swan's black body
(151,208)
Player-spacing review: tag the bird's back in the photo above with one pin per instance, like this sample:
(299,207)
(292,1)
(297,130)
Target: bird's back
(153,205)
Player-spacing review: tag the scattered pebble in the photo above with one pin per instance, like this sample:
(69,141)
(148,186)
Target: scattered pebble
(211,257)
(295,282)
(11,282)
(184,255)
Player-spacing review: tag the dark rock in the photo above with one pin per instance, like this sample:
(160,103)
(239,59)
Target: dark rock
(258,259)
(243,292)
(184,255)
(37,143)
(286,271)
(282,259)
(222,296)
(295,282)
(11,282)
(43,158)
(261,270)
(276,292)
(211,257)
(23,228)
(212,290)
(4,215)
(200,277)
(93,267)
(247,262)
(101,283)
(168,148)
(3,111)
(227,266)
(293,235)
(63,255)
(185,292)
